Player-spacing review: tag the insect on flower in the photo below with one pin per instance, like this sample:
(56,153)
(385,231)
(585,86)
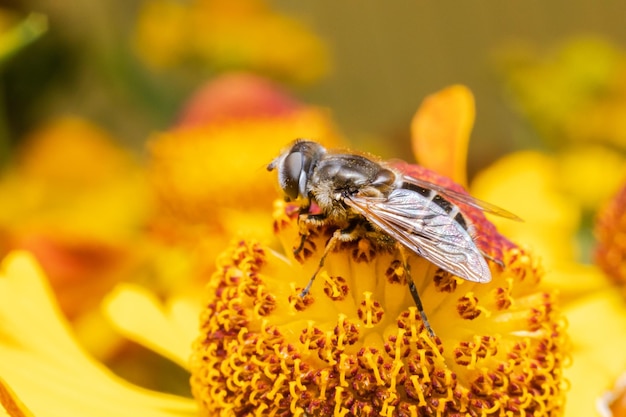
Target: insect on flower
(366,198)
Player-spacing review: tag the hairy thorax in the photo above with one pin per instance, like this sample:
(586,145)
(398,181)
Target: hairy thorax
(345,176)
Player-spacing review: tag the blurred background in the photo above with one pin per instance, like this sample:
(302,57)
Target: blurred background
(118,62)
(132,132)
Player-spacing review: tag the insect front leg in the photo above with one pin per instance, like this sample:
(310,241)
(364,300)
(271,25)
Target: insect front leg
(340,235)
(305,219)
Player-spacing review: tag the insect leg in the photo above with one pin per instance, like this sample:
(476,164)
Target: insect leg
(491,258)
(415,294)
(336,237)
(303,218)
(297,250)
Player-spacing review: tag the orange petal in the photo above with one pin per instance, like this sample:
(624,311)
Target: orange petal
(441,130)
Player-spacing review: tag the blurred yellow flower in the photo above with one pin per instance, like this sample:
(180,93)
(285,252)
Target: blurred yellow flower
(46,373)
(225,35)
(590,174)
(209,172)
(77,213)
(596,326)
(610,256)
(528,181)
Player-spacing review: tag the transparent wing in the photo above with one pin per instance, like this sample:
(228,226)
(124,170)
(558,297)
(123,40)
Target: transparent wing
(462,198)
(426,229)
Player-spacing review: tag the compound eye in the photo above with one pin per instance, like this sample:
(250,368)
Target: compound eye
(290,174)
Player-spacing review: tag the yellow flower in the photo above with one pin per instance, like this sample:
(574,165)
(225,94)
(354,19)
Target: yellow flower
(528,181)
(554,194)
(225,35)
(596,327)
(45,373)
(77,214)
(590,174)
(356,345)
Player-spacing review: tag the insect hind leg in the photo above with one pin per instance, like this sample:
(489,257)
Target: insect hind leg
(415,294)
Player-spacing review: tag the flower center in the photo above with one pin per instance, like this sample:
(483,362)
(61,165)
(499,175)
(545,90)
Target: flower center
(356,343)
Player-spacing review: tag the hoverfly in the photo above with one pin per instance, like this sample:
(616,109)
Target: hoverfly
(351,189)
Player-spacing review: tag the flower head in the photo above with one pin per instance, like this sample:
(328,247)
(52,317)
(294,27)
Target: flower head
(223,35)
(50,196)
(356,345)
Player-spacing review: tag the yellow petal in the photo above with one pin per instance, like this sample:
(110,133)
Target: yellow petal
(441,130)
(575,280)
(48,370)
(12,405)
(613,402)
(140,316)
(591,173)
(527,182)
(596,328)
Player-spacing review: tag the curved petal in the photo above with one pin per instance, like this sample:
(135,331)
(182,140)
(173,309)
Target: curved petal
(11,404)
(48,370)
(168,330)
(441,130)
(597,335)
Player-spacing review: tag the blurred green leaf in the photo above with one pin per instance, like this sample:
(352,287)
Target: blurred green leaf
(22,34)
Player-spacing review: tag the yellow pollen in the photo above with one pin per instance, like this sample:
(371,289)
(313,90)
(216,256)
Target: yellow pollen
(295,397)
(335,287)
(370,312)
(323,383)
(340,411)
(277,385)
(417,386)
(343,367)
